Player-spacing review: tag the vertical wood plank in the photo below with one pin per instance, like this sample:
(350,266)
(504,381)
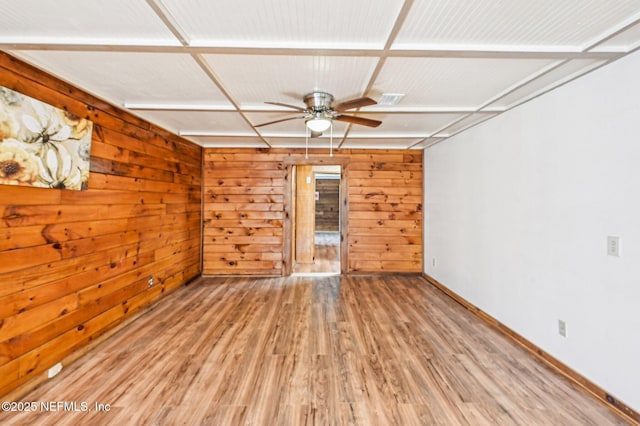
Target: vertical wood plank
(305,214)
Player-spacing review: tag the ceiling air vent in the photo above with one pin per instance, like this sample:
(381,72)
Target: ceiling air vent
(390,98)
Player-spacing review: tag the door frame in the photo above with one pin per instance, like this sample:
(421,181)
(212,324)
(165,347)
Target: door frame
(289,163)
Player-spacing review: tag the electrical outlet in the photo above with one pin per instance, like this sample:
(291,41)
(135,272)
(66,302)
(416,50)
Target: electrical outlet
(613,246)
(433,262)
(54,370)
(150,281)
(562,328)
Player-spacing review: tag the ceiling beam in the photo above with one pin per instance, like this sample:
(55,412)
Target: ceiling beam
(613,33)
(592,50)
(216,80)
(486,52)
(171,23)
(275,109)
(397,25)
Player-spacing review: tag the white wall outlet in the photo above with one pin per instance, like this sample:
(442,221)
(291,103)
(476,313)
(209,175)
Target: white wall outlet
(613,246)
(150,281)
(562,328)
(53,371)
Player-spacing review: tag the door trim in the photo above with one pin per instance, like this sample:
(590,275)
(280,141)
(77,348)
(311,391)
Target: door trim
(287,262)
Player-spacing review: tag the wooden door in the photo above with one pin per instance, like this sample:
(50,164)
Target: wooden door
(305,214)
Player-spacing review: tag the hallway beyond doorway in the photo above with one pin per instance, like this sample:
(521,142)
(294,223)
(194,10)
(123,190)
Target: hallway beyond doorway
(327,255)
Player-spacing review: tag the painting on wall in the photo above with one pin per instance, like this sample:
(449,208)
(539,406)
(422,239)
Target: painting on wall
(41,145)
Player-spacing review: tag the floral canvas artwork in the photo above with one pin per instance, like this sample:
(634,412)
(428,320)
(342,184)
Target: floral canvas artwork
(41,145)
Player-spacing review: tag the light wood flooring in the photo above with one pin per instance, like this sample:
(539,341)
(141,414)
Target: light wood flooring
(365,350)
(326,257)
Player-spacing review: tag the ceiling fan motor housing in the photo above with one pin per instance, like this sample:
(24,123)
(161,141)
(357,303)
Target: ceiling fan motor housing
(318,101)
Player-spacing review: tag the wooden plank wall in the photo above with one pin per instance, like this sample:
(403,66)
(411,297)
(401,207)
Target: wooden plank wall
(73,264)
(244,209)
(328,205)
(243,212)
(385,211)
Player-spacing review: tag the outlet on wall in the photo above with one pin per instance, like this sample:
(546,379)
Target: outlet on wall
(613,245)
(562,328)
(150,281)
(433,262)
(54,370)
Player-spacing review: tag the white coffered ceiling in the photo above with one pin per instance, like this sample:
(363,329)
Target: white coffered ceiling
(203,68)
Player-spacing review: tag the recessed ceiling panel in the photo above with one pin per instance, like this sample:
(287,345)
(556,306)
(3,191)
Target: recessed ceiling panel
(252,80)
(404,125)
(452,59)
(286,23)
(557,76)
(131,77)
(197,121)
(122,22)
(514,24)
(453,82)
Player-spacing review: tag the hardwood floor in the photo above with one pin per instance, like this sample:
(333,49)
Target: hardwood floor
(326,255)
(368,350)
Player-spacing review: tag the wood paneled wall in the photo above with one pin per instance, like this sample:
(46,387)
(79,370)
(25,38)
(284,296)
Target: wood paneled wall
(73,264)
(243,212)
(244,209)
(328,205)
(385,211)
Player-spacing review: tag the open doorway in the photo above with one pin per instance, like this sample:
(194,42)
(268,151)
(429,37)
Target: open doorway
(316,219)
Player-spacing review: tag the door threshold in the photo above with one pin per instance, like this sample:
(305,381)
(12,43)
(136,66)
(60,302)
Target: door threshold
(315,274)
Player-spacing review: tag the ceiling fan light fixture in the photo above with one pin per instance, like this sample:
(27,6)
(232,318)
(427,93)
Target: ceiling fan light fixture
(318,124)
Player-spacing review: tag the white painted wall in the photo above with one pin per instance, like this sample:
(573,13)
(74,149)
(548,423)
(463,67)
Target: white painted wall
(518,210)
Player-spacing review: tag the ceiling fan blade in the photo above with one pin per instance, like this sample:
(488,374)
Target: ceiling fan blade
(279,121)
(297,108)
(355,103)
(359,120)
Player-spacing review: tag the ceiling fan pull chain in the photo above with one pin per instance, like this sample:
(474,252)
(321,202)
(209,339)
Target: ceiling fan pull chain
(306,143)
(331,140)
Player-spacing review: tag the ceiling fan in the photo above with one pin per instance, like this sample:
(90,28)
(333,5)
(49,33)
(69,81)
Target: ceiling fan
(320,112)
